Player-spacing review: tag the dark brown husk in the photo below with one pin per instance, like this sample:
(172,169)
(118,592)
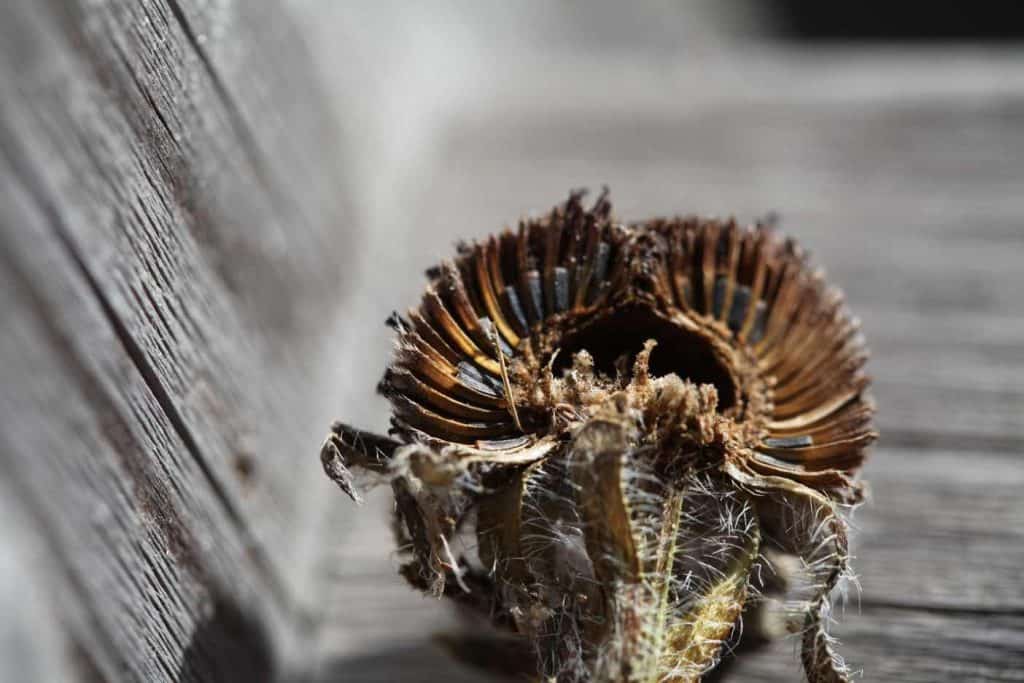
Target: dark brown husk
(603,433)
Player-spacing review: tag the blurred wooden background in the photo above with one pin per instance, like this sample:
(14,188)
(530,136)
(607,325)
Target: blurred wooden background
(208,208)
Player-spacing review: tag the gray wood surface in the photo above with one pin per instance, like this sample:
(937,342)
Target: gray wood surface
(172,203)
(207,208)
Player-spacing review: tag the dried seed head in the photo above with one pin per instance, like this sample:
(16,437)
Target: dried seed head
(630,419)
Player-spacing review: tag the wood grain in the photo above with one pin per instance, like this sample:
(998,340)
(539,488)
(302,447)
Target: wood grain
(126,508)
(898,645)
(172,197)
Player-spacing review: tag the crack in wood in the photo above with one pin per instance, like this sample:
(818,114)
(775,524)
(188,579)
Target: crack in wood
(33,188)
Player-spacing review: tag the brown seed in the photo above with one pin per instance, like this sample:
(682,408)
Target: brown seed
(628,417)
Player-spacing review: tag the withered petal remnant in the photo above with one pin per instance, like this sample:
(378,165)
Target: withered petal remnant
(608,438)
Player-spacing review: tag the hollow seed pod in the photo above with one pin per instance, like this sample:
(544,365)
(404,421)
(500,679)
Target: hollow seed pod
(630,421)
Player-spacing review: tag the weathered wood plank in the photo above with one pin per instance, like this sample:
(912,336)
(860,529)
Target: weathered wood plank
(886,645)
(944,530)
(913,646)
(129,513)
(173,201)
